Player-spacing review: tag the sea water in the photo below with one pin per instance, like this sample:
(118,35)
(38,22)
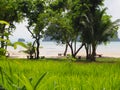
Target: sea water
(110,49)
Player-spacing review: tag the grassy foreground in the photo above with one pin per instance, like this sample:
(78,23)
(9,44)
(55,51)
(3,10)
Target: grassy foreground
(60,75)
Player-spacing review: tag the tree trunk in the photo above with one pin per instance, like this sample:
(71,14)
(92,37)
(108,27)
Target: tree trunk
(93,58)
(2,43)
(75,53)
(2,36)
(66,48)
(87,52)
(75,46)
(34,50)
(72,52)
(37,49)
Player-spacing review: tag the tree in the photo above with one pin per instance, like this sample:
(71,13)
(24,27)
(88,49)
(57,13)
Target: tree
(61,28)
(94,25)
(103,29)
(10,14)
(99,26)
(2,50)
(36,15)
(60,31)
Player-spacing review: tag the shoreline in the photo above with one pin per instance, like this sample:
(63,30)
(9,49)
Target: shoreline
(51,53)
(51,49)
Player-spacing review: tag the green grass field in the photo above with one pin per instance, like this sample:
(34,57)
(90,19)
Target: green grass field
(60,74)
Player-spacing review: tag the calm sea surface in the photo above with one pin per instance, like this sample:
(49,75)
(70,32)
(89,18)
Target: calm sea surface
(112,49)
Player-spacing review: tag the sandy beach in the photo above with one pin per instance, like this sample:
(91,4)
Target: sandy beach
(51,49)
(54,53)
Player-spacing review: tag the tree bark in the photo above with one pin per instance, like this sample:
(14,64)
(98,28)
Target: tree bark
(66,48)
(87,52)
(72,52)
(37,49)
(78,49)
(2,36)
(75,46)
(93,58)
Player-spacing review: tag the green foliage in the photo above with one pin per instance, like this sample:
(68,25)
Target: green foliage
(10,77)
(37,17)
(70,58)
(2,52)
(60,30)
(20,44)
(25,82)
(23,74)
(4,22)
(30,49)
(39,80)
(95,26)
(9,15)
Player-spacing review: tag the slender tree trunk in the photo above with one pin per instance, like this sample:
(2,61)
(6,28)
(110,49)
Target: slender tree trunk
(75,46)
(90,49)
(79,49)
(2,43)
(2,36)
(87,52)
(72,52)
(93,58)
(37,49)
(66,48)
(34,48)
(6,44)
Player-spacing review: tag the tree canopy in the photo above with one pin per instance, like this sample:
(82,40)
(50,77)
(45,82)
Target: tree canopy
(66,21)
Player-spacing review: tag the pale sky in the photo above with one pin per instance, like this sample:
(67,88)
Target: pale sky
(113,10)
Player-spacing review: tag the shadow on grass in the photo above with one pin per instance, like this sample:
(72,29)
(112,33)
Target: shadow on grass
(82,60)
(101,60)
(108,60)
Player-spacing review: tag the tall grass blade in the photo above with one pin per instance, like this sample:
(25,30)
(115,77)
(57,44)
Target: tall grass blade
(25,82)
(23,88)
(10,69)
(9,79)
(39,80)
(1,75)
(1,88)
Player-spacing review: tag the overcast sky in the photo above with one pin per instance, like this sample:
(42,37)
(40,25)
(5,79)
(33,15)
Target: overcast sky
(113,10)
